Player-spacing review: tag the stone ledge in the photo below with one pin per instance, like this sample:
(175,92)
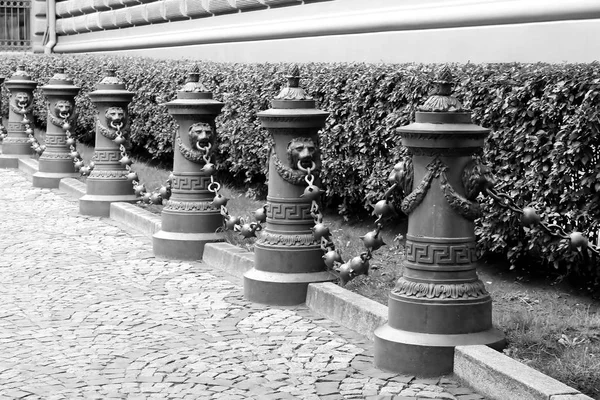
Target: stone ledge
(28,165)
(499,377)
(346,308)
(229,258)
(136,217)
(72,187)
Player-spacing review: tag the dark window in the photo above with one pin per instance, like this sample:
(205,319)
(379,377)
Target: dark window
(15,26)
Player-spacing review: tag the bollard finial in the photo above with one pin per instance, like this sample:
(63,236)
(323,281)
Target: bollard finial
(111,77)
(60,76)
(193,83)
(442,100)
(293,91)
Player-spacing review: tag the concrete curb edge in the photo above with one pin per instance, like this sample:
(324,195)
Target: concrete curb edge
(487,371)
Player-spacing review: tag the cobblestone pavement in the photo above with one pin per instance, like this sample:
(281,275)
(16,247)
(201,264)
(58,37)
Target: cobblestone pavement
(87,312)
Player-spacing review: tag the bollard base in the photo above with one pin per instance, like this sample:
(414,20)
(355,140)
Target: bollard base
(425,354)
(51,180)
(182,246)
(280,289)
(99,205)
(10,161)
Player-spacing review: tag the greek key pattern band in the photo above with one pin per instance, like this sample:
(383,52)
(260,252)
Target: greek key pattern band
(190,182)
(289,211)
(107,156)
(440,254)
(16,126)
(56,140)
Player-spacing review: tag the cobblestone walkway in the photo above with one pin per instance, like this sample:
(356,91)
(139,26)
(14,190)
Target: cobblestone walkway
(87,312)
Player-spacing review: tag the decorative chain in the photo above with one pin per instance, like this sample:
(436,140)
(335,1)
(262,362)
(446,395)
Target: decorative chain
(3,131)
(75,156)
(246,228)
(35,145)
(372,240)
(155,197)
(530,217)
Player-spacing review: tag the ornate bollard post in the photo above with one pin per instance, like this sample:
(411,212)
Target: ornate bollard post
(287,256)
(107,182)
(189,219)
(20,119)
(439,302)
(55,162)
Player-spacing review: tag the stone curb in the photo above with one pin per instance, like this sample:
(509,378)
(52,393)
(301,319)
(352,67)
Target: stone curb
(346,308)
(496,376)
(135,217)
(72,187)
(29,166)
(487,371)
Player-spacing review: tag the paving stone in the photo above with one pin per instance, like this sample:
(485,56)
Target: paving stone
(88,312)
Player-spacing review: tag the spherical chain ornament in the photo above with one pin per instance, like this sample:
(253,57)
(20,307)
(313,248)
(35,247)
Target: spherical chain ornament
(35,145)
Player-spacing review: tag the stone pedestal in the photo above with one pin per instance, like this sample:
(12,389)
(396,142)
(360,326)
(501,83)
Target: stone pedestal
(56,163)
(439,302)
(107,182)
(16,144)
(189,220)
(287,256)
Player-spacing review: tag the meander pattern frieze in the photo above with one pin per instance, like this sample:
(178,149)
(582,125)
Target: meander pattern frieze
(440,254)
(190,182)
(107,156)
(56,140)
(296,240)
(289,211)
(465,290)
(16,126)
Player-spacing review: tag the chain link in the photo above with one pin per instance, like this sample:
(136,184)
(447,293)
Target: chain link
(530,217)
(332,257)
(35,145)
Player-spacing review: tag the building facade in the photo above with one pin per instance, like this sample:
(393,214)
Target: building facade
(322,30)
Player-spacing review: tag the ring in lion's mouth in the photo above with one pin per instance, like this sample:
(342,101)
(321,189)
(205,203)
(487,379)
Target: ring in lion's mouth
(306,162)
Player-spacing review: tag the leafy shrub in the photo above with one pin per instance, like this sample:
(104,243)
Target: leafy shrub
(543,147)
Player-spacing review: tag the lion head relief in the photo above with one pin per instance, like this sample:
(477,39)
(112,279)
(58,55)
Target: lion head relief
(63,108)
(301,152)
(22,99)
(201,136)
(115,117)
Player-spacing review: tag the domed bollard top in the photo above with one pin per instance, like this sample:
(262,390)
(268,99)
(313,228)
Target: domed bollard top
(439,302)
(107,182)
(55,162)
(189,219)
(16,144)
(287,256)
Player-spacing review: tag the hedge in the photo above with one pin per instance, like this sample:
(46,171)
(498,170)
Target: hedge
(543,147)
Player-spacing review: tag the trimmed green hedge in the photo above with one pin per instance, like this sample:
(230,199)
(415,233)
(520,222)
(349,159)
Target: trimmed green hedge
(543,148)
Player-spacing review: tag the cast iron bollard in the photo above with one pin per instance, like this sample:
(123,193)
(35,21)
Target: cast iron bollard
(20,119)
(287,256)
(55,163)
(439,302)
(107,182)
(189,219)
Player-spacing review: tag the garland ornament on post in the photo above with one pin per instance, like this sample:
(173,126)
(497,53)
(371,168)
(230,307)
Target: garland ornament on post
(191,216)
(17,143)
(56,161)
(287,255)
(108,180)
(439,302)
